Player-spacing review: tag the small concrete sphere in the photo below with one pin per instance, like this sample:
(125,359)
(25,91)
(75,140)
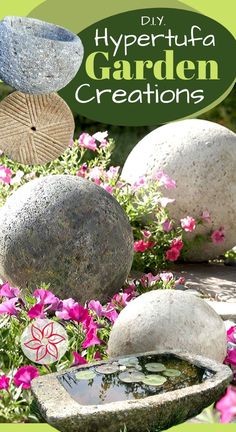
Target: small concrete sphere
(38,57)
(201,157)
(168,320)
(69,233)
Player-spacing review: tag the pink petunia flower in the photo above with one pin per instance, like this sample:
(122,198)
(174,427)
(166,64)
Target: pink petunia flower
(7,291)
(4,382)
(188,223)
(71,142)
(177,243)
(149,279)
(205,216)
(107,187)
(218,236)
(78,313)
(96,306)
(90,324)
(97,356)
(140,183)
(231,334)
(9,307)
(164,201)
(46,297)
(69,309)
(103,144)
(17,177)
(5,174)
(78,359)
(100,136)
(25,375)
(121,300)
(37,311)
(172,254)
(91,339)
(87,141)
(142,245)
(167,226)
(227,405)
(110,313)
(112,172)
(66,306)
(146,233)
(231,357)
(180,281)
(165,180)
(166,277)
(131,291)
(82,171)
(95,175)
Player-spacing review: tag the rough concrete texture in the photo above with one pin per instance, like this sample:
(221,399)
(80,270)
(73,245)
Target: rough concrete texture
(37,57)
(160,411)
(35,129)
(215,281)
(201,157)
(68,232)
(168,320)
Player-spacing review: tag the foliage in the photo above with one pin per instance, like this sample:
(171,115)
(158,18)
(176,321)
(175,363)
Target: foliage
(87,327)
(158,239)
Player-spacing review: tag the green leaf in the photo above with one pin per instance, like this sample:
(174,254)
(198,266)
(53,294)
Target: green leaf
(131,376)
(155,367)
(154,380)
(85,375)
(107,369)
(128,361)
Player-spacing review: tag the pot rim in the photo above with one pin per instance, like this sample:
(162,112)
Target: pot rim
(61,402)
(72,37)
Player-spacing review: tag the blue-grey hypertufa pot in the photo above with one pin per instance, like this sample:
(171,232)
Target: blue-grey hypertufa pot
(37,57)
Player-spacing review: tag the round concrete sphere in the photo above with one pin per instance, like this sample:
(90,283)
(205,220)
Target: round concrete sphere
(66,232)
(201,157)
(168,320)
(36,56)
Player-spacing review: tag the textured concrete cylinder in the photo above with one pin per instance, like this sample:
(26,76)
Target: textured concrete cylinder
(36,56)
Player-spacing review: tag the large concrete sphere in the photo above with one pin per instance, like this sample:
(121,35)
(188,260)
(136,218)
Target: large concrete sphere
(201,157)
(68,232)
(168,320)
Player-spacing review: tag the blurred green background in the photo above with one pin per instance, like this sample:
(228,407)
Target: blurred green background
(127,137)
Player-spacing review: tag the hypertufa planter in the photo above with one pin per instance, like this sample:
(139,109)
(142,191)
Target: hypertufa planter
(37,57)
(136,392)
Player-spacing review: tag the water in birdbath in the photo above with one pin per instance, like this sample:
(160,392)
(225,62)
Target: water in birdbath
(131,378)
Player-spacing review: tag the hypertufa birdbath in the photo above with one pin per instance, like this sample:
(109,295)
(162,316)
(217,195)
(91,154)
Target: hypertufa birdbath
(38,57)
(68,401)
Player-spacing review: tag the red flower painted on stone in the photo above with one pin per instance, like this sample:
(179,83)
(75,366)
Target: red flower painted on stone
(44,341)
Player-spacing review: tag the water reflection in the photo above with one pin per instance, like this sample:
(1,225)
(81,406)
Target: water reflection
(107,388)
